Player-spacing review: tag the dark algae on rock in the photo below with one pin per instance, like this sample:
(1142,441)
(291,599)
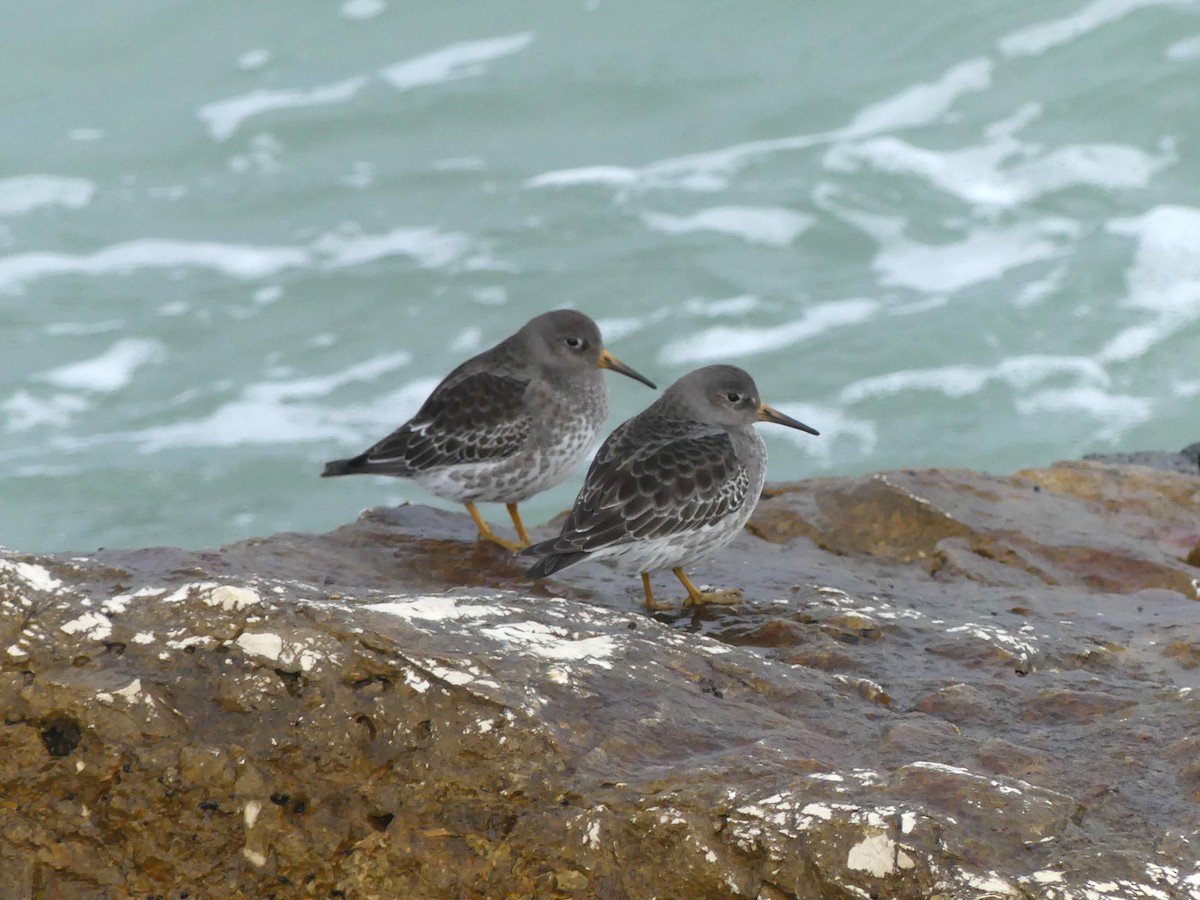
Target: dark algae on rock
(941,684)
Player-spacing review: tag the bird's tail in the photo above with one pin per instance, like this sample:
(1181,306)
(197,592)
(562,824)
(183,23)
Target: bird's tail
(550,563)
(345,466)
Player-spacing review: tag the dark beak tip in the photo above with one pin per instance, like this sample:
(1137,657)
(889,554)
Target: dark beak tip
(608,361)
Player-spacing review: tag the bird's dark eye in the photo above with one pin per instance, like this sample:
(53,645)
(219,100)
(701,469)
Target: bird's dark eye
(733,397)
(575,343)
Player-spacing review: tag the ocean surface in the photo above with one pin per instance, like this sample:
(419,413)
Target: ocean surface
(240,239)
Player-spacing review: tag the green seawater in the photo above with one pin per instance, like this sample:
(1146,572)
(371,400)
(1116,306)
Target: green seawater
(240,239)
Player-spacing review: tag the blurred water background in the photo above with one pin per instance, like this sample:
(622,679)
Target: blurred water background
(239,239)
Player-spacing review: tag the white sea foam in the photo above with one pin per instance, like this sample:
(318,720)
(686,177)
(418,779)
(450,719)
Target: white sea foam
(984,254)
(728,342)
(1163,282)
(274,412)
(428,247)
(254,59)
(24,411)
(461,60)
(25,193)
(55,329)
(1035,40)
(729,306)
(617,176)
(1116,413)
(469,340)
(835,426)
(1004,172)
(1038,289)
(770,226)
(359,10)
(920,104)
(1019,372)
(225,117)
(1184,50)
(234,260)
(112,370)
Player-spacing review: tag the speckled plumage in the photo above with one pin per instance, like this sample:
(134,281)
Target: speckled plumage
(507,424)
(673,484)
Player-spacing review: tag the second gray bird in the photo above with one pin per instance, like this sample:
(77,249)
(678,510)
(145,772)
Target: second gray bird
(673,484)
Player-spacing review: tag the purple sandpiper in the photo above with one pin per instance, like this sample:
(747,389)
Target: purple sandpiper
(673,484)
(506,424)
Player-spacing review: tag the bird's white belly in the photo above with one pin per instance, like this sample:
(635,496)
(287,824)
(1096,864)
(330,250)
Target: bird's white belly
(535,468)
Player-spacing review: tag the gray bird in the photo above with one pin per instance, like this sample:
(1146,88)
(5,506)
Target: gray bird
(506,424)
(672,485)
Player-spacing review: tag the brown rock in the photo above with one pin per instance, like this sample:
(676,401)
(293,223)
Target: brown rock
(306,715)
(1089,524)
(964,703)
(1057,707)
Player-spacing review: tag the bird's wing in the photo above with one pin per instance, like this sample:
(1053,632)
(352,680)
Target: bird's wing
(636,491)
(475,417)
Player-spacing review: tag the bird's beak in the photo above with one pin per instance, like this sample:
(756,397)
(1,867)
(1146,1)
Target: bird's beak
(767,414)
(608,361)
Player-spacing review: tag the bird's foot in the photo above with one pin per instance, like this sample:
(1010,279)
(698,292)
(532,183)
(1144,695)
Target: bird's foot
(652,605)
(486,533)
(728,597)
(492,538)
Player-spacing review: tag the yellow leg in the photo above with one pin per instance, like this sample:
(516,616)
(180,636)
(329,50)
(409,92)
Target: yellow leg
(697,597)
(520,526)
(486,533)
(651,603)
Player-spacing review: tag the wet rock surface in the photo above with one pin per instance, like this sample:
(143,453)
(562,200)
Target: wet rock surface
(941,683)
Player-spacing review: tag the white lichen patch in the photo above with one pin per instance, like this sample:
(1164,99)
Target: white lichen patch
(271,646)
(250,812)
(1046,876)
(1132,890)
(261,643)
(450,676)
(943,767)
(254,857)
(991,883)
(1015,787)
(131,691)
(188,640)
(232,599)
(143,637)
(116,605)
(90,625)
(866,776)
(16,651)
(415,681)
(433,608)
(876,855)
(552,642)
(1024,647)
(188,590)
(35,577)
(888,612)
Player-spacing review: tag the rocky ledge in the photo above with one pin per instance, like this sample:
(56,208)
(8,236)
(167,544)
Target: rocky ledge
(941,684)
